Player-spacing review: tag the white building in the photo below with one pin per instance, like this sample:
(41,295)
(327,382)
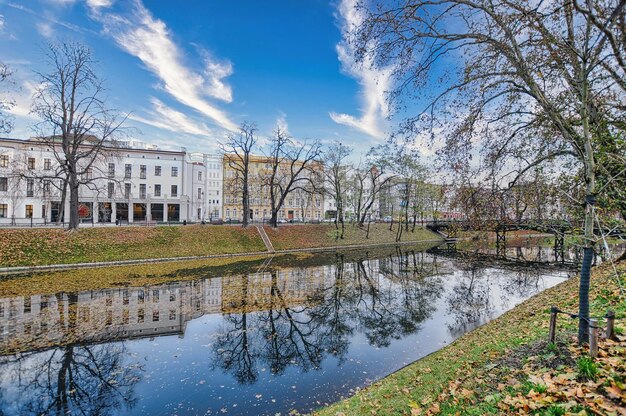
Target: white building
(134,182)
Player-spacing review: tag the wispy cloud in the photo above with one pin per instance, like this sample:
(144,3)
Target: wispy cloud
(374,83)
(23,98)
(281,123)
(45,29)
(167,118)
(94,4)
(149,39)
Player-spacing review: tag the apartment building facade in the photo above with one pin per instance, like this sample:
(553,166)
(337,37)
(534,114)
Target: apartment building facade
(302,204)
(131,182)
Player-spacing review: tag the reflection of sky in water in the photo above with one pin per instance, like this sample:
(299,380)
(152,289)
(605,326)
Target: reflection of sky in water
(295,348)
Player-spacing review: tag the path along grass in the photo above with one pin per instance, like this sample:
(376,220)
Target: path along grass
(503,367)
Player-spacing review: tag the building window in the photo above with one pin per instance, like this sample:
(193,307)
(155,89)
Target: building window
(142,171)
(199,193)
(3,210)
(157,171)
(46,164)
(111,189)
(111,170)
(46,187)
(31,163)
(142,191)
(199,176)
(174,191)
(30,188)
(29,211)
(227,213)
(4,161)
(157,190)
(174,171)
(4,184)
(128,170)
(127,190)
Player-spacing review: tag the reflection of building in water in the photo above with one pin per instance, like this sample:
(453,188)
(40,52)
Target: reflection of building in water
(267,289)
(43,320)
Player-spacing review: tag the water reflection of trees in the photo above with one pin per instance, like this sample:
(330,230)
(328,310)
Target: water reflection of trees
(383,298)
(470,301)
(73,379)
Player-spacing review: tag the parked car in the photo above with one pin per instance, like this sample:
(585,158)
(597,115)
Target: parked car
(282,221)
(387,218)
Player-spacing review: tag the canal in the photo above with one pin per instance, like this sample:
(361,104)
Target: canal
(269,337)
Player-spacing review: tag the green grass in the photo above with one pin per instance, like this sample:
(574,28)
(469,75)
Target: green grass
(587,369)
(31,247)
(421,385)
(325,235)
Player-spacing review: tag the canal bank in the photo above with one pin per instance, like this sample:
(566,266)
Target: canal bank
(46,249)
(476,375)
(254,337)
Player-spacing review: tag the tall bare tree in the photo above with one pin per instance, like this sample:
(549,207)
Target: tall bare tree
(75,121)
(237,151)
(336,172)
(6,121)
(535,83)
(294,167)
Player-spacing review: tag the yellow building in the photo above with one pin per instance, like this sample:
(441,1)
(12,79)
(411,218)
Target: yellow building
(304,204)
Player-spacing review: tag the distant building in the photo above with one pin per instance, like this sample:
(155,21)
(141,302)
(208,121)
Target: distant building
(299,205)
(131,182)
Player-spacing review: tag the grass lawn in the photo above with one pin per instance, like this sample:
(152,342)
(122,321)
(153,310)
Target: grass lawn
(506,366)
(324,235)
(31,247)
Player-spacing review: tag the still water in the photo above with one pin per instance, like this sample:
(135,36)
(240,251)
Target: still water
(266,340)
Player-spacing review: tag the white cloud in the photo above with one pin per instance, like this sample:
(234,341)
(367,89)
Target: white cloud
(23,99)
(94,4)
(374,83)
(281,123)
(149,39)
(1,23)
(45,29)
(167,118)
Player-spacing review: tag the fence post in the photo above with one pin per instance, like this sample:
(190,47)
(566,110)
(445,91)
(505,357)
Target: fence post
(610,325)
(593,338)
(553,313)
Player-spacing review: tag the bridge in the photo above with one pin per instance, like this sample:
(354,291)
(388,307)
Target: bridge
(449,229)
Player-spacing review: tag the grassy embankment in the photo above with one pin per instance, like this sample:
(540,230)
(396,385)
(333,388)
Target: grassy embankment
(32,247)
(325,235)
(506,366)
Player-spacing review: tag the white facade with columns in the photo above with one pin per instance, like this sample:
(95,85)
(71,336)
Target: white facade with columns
(134,182)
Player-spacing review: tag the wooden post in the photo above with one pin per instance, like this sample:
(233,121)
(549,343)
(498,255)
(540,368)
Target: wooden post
(593,338)
(553,314)
(610,325)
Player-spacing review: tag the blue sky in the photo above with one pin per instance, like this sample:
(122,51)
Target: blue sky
(190,71)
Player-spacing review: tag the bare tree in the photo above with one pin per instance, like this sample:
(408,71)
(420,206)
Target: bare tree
(75,122)
(378,175)
(535,83)
(336,172)
(237,151)
(6,121)
(294,167)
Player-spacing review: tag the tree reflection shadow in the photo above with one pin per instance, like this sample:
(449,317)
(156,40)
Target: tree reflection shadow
(384,299)
(72,379)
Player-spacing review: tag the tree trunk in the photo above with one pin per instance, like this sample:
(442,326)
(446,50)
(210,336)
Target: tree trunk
(585,272)
(245,203)
(74,219)
(62,206)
